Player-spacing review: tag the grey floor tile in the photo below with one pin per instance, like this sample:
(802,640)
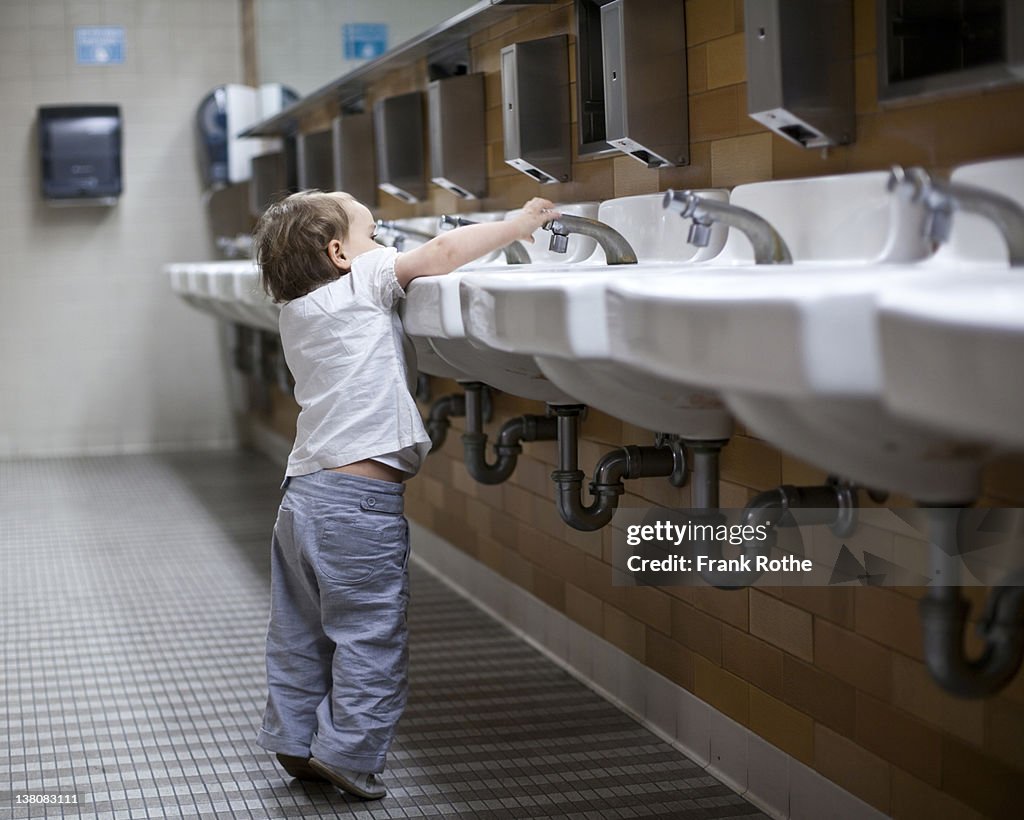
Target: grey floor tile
(133,605)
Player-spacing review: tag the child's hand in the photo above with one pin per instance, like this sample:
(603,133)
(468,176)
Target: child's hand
(536,214)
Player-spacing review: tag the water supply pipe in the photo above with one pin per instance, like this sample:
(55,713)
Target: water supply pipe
(507,448)
(834,503)
(451,406)
(629,462)
(944,613)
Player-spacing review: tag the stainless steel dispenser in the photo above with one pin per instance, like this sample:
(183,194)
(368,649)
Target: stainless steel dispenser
(458,143)
(316,160)
(643,48)
(535,107)
(800,69)
(401,160)
(354,163)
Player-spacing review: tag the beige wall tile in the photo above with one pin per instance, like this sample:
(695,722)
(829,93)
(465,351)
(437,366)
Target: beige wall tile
(751,462)
(701,633)
(899,738)
(633,177)
(849,657)
(1003,720)
(741,159)
(625,632)
(752,659)
(728,693)
(888,618)
(825,698)
(781,624)
(584,608)
(915,691)
(782,725)
(915,800)
(979,781)
(669,658)
(708,19)
(858,771)
(726,61)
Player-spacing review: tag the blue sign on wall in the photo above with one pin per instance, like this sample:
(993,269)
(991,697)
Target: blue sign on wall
(99,45)
(364,41)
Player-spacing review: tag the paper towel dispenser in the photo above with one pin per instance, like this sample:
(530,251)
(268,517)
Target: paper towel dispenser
(458,142)
(800,69)
(645,90)
(80,153)
(401,158)
(535,107)
(354,163)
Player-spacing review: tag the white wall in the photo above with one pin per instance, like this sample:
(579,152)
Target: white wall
(298,42)
(96,353)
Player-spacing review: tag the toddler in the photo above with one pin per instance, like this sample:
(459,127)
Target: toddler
(337,644)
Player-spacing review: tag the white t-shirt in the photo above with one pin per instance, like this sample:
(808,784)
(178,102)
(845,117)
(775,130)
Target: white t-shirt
(354,371)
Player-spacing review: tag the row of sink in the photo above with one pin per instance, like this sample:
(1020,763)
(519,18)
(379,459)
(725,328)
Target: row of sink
(887,352)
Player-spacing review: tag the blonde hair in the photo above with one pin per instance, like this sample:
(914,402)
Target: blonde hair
(291,240)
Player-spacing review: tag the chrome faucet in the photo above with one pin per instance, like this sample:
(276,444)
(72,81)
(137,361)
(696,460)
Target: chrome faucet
(769,247)
(942,199)
(398,233)
(616,249)
(515,252)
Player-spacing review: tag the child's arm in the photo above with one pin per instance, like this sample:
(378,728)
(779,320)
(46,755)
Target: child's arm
(453,249)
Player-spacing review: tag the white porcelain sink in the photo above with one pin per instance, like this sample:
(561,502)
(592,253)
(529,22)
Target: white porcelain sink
(557,316)
(228,290)
(794,349)
(432,311)
(952,356)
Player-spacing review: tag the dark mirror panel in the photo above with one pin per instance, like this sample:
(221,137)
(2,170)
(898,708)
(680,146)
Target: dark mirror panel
(929,47)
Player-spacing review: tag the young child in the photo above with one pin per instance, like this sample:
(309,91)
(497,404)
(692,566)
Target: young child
(337,650)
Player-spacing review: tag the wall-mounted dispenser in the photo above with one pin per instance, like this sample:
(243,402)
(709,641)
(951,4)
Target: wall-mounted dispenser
(458,143)
(315,160)
(80,154)
(354,163)
(401,158)
(535,107)
(645,91)
(800,69)
(223,113)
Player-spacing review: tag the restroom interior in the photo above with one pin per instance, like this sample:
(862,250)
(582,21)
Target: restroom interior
(823,690)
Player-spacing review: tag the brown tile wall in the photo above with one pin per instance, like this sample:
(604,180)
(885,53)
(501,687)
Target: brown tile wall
(832,676)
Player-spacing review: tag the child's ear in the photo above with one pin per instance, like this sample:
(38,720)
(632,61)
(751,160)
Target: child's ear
(336,254)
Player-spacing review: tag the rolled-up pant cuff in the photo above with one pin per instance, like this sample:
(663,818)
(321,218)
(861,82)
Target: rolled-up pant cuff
(282,745)
(356,763)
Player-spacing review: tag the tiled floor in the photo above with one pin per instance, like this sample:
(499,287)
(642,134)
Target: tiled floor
(133,602)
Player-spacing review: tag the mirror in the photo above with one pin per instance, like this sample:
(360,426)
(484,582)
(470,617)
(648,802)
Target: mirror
(308,44)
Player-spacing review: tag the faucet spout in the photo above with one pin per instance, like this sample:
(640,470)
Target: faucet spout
(769,247)
(515,252)
(399,233)
(943,199)
(616,249)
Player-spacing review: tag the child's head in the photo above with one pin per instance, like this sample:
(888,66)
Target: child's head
(294,238)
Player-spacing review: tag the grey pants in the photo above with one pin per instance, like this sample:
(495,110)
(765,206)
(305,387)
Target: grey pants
(337,648)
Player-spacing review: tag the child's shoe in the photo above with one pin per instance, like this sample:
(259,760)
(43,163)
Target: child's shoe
(299,768)
(367,785)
